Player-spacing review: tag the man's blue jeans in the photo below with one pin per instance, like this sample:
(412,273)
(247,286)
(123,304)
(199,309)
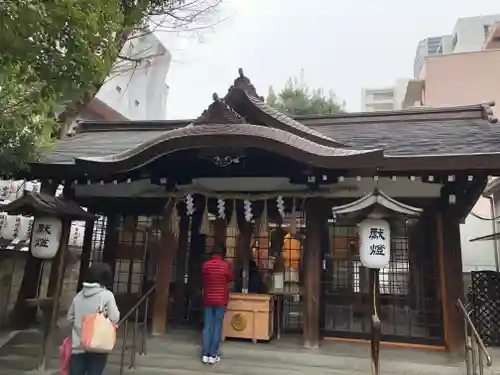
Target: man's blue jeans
(212,330)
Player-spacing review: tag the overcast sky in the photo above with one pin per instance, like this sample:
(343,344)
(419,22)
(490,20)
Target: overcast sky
(341,45)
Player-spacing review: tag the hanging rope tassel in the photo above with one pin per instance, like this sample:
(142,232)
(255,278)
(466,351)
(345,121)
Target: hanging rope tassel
(263,222)
(205,223)
(174,220)
(231,234)
(375,323)
(233,222)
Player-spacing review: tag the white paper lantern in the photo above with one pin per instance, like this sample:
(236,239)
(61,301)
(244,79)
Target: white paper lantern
(375,243)
(11,227)
(25,228)
(3,222)
(46,236)
(76,234)
(5,189)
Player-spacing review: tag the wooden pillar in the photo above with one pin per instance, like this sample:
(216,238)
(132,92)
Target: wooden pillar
(55,266)
(165,257)
(86,252)
(110,242)
(451,278)
(180,268)
(195,261)
(23,315)
(243,251)
(51,315)
(312,274)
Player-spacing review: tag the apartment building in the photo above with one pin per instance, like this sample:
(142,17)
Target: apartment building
(468,35)
(387,98)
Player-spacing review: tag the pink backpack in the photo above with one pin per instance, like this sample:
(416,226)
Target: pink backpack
(65,356)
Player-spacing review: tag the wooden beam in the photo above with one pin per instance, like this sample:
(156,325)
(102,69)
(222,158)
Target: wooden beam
(312,275)
(165,257)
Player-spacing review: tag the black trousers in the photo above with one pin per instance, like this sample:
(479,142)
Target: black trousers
(87,364)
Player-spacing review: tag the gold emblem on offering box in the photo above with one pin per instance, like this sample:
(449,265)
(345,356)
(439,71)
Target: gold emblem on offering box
(239,322)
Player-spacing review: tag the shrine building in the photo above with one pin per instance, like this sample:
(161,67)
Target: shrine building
(287,195)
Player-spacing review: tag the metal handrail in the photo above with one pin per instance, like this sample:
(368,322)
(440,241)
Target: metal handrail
(124,319)
(476,342)
(137,305)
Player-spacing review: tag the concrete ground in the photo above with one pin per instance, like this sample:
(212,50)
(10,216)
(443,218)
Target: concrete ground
(179,354)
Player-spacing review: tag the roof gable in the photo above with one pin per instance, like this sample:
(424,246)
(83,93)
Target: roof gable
(466,130)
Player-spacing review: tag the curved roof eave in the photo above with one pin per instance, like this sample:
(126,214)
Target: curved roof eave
(236,135)
(238,94)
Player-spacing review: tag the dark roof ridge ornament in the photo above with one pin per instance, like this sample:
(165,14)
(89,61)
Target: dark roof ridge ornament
(488,112)
(218,113)
(244,83)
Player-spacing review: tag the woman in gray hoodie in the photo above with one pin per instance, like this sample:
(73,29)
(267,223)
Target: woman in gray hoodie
(89,300)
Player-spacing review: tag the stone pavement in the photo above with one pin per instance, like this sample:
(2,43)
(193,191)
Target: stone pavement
(179,354)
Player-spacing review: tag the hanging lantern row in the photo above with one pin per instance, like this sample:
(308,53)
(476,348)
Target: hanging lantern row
(10,190)
(15,227)
(19,228)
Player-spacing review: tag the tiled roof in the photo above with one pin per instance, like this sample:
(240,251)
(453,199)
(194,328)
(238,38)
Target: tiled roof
(443,131)
(243,135)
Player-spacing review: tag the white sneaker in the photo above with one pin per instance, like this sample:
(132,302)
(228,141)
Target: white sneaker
(205,359)
(213,360)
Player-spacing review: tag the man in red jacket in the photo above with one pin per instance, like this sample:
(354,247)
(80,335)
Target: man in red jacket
(216,274)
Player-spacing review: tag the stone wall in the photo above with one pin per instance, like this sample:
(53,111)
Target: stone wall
(11,275)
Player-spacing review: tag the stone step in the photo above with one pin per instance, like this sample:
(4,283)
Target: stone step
(180,355)
(186,358)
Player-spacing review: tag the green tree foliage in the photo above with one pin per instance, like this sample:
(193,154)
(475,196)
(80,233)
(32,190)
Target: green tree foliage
(24,122)
(50,53)
(296,99)
(55,55)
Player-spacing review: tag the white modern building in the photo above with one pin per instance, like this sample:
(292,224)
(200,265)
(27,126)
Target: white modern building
(387,98)
(430,46)
(468,35)
(137,87)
